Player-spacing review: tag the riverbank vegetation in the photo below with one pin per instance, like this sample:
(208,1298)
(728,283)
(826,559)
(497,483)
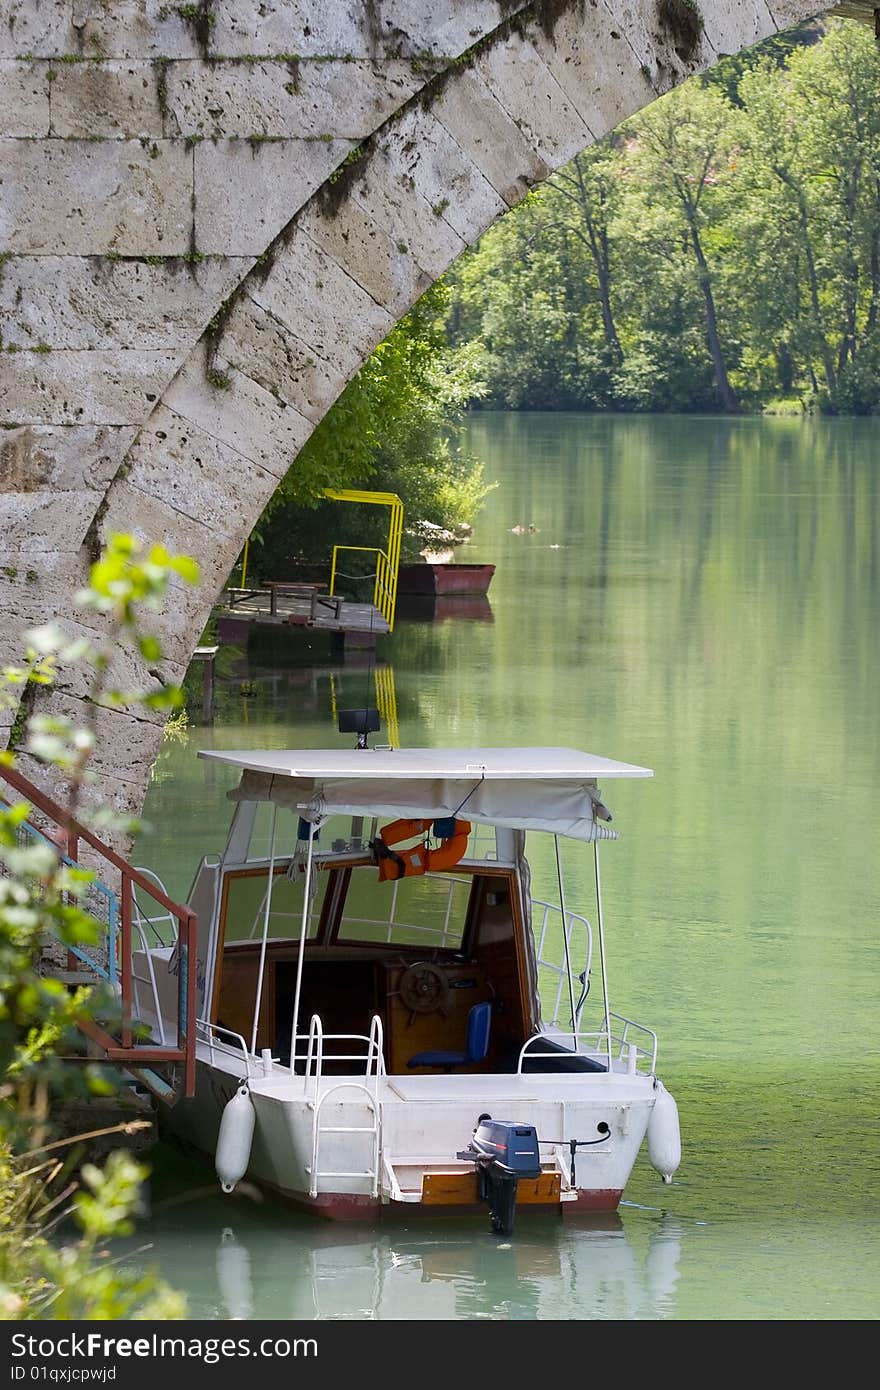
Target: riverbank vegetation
(720,251)
(57,1209)
(391,430)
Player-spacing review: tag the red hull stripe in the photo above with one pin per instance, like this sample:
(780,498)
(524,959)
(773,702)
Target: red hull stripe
(347,1206)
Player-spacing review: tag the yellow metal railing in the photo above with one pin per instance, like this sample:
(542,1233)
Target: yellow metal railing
(387,560)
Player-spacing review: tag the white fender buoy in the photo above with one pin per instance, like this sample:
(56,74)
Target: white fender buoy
(664,1135)
(233,1152)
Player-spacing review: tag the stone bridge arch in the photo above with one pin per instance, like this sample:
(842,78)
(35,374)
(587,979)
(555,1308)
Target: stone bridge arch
(210,216)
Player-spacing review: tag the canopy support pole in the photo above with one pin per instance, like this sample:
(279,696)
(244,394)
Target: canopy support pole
(565,930)
(601,924)
(268,905)
(304,931)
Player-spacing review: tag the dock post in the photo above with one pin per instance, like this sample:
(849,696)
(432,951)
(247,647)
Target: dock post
(207,655)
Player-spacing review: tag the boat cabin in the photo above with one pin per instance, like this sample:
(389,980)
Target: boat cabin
(352,887)
(421,952)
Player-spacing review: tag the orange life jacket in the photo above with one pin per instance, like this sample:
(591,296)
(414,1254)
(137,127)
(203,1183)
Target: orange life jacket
(409,863)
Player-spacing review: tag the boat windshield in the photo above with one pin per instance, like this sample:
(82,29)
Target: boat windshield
(244,905)
(425,911)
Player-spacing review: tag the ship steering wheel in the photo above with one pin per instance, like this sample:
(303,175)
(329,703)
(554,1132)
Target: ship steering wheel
(424,988)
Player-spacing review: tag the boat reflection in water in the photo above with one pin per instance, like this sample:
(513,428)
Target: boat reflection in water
(601,1267)
(546,1272)
(435,608)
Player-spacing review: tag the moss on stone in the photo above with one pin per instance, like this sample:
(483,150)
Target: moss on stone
(351,158)
(293,86)
(547,14)
(199,17)
(160,67)
(684,20)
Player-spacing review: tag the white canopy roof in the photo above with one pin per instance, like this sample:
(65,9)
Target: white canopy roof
(550,789)
(391,764)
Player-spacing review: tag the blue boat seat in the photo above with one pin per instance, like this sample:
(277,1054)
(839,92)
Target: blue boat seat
(476,1043)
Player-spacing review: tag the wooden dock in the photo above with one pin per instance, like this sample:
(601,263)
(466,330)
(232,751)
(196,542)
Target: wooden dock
(290,606)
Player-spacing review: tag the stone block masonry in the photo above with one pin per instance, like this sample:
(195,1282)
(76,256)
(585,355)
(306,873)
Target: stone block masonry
(211,213)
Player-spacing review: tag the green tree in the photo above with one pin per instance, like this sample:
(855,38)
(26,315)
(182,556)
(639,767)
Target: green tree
(722,246)
(813,136)
(393,430)
(681,150)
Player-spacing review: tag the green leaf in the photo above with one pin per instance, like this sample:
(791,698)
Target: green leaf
(150,648)
(185,567)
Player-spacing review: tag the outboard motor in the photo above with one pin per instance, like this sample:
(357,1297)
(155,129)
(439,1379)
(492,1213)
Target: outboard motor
(503,1152)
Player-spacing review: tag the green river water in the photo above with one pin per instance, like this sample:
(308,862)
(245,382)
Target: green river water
(700,596)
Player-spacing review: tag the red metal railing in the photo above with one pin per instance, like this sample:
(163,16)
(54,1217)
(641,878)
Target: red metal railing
(124,1050)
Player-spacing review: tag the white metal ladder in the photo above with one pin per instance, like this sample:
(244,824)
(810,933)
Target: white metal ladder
(315,1173)
(374,1067)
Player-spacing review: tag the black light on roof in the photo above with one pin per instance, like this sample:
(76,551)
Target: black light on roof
(360,722)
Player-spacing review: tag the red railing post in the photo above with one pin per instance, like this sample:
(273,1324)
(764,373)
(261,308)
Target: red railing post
(126,962)
(187,1005)
(71,849)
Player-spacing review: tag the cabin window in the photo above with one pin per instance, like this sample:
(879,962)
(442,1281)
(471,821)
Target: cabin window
(423,911)
(339,834)
(261,832)
(481,843)
(245,905)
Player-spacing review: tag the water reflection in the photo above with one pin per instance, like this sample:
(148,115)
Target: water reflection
(441,608)
(269,1262)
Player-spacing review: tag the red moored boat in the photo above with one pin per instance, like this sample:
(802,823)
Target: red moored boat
(451,578)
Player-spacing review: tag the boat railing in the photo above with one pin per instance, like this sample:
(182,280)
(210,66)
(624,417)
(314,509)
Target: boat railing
(206,1031)
(546,939)
(151,921)
(374,1067)
(314,1057)
(99,901)
(643,1046)
(148,979)
(637,1053)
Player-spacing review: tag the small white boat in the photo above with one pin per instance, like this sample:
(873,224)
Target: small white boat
(386,1019)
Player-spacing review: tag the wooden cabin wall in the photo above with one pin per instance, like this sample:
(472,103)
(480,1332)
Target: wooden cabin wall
(238,995)
(408,1033)
(499,953)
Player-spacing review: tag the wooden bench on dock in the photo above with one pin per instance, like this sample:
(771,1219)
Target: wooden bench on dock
(317,595)
(279,604)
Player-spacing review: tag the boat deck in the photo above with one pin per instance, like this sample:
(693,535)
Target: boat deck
(461,1089)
